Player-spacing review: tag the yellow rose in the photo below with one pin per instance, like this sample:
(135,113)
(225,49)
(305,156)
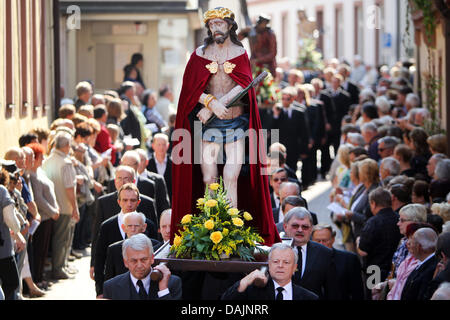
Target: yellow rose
(209,224)
(211,203)
(216,237)
(186,219)
(233,212)
(225,232)
(214,186)
(237,222)
(247,216)
(201,201)
(177,240)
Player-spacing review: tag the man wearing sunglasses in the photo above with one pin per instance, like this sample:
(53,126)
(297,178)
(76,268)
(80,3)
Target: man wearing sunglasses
(316,269)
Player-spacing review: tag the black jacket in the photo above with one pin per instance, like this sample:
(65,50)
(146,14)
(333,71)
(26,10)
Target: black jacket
(266,293)
(320,272)
(109,234)
(418,281)
(162,198)
(114,260)
(121,288)
(348,270)
(294,133)
(107,207)
(167,174)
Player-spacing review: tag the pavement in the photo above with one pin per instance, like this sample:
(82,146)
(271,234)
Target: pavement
(81,287)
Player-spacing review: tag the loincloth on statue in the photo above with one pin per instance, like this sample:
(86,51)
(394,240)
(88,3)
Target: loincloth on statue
(227,130)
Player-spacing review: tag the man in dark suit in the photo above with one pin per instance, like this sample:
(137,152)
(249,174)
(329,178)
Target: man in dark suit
(278,285)
(160,161)
(349,86)
(348,267)
(292,124)
(380,235)
(422,247)
(136,284)
(341,99)
(133,223)
(277,177)
(329,115)
(110,231)
(146,187)
(316,268)
(161,191)
(107,205)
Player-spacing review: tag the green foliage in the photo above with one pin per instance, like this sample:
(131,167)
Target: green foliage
(217,231)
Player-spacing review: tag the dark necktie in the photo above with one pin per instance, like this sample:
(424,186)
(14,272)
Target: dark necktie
(142,292)
(300,261)
(280,293)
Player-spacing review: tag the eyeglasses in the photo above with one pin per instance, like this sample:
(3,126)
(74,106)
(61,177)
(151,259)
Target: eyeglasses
(279,179)
(403,220)
(134,226)
(303,226)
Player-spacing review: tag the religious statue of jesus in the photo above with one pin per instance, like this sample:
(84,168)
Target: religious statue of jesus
(216,73)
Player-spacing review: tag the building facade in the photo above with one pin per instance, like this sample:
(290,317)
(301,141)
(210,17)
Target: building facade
(372,29)
(98,39)
(26,66)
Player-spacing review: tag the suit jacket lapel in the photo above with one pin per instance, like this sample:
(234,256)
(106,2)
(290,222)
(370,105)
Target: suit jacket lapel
(153,292)
(310,259)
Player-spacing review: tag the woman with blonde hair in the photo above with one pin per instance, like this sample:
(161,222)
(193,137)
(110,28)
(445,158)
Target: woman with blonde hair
(360,211)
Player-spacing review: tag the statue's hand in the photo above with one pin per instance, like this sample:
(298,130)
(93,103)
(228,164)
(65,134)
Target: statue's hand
(204,115)
(219,109)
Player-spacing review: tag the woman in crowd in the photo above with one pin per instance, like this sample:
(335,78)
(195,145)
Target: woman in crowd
(45,198)
(369,177)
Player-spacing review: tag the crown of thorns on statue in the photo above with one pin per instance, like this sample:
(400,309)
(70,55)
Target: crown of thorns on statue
(218,13)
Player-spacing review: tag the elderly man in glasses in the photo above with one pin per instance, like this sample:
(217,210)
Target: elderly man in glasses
(316,269)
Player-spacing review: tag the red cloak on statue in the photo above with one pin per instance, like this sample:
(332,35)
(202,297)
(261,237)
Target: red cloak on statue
(187,186)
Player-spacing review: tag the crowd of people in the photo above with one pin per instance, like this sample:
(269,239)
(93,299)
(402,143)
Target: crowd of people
(104,156)
(100,177)
(389,176)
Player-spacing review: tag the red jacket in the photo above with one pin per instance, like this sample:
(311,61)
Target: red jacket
(103,143)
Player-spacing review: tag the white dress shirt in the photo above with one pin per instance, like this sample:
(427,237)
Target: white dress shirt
(146,283)
(161,166)
(303,256)
(120,220)
(425,260)
(287,292)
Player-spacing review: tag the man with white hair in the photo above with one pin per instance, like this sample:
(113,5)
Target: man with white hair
(133,223)
(278,285)
(432,163)
(422,247)
(356,139)
(316,268)
(147,187)
(412,101)
(384,110)
(111,231)
(389,167)
(369,131)
(358,71)
(136,284)
(60,170)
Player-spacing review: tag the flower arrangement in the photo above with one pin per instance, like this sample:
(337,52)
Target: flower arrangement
(217,232)
(309,58)
(267,92)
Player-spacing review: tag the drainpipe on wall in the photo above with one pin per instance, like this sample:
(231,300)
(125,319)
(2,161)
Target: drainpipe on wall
(56,57)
